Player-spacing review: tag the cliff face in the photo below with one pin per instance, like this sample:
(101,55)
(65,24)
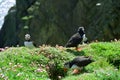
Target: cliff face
(100,17)
(51,21)
(54,21)
(8,36)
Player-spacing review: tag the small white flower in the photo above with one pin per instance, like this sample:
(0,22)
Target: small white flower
(39,70)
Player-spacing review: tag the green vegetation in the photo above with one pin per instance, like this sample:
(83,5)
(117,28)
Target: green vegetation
(106,65)
(46,62)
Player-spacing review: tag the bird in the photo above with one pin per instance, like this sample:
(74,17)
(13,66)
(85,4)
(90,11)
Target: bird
(77,38)
(28,43)
(77,64)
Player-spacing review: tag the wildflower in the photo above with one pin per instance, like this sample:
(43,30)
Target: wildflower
(39,70)
(19,74)
(10,63)
(15,66)
(115,40)
(2,75)
(108,74)
(59,77)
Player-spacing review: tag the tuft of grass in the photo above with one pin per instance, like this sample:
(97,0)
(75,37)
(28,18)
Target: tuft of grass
(108,50)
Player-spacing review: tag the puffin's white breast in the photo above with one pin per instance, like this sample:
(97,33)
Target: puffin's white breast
(29,44)
(84,38)
(75,67)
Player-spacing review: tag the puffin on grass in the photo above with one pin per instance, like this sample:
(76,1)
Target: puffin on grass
(77,38)
(28,43)
(77,64)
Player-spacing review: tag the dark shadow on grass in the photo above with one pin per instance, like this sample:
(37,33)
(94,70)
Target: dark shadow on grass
(76,53)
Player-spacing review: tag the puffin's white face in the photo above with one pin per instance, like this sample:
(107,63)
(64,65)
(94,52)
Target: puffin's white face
(81,30)
(27,37)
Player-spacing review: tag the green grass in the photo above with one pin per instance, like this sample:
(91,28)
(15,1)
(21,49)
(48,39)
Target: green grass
(106,65)
(21,63)
(46,62)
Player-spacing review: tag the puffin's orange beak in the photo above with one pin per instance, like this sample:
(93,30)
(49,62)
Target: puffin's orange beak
(65,69)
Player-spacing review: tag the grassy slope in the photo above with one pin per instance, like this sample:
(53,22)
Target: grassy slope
(107,60)
(23,63)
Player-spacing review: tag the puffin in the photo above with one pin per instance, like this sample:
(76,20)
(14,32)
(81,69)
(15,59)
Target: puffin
(77,38)
(77,64)
(28,43)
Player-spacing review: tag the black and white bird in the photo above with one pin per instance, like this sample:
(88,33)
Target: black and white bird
(77,38)
(28,43)
(78,63)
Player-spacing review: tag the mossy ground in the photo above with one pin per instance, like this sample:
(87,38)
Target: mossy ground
(45,62)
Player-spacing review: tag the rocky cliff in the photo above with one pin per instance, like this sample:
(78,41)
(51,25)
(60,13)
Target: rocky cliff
(54,21)
(8,36)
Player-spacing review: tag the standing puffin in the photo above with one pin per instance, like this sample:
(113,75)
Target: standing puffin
(28,43)
(77,38)
(77,64)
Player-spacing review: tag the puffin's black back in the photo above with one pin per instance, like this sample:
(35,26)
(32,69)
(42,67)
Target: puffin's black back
(76,39)
(81,61)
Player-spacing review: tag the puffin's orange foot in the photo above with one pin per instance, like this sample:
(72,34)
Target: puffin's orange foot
(75,71)
(78,49)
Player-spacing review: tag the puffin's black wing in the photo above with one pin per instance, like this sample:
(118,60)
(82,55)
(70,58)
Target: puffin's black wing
(34,44)
(81,61)
(74,40)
